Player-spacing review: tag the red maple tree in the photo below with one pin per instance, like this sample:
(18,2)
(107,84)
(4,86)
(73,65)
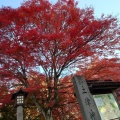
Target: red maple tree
(102,69)
(39,36)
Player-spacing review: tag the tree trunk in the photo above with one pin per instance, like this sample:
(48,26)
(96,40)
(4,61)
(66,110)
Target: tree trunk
(49,115)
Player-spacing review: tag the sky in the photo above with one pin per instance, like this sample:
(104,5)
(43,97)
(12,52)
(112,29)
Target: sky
(103,6)
(100,6)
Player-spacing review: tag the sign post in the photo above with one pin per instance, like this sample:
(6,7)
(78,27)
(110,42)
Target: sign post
(85,99)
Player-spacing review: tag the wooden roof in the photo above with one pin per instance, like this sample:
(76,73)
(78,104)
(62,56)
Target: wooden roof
(102,87)
(18,93)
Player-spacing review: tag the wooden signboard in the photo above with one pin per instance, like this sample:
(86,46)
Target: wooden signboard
(85,99)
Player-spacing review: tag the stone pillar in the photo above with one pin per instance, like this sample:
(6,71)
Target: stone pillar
(20,113)
(85,100)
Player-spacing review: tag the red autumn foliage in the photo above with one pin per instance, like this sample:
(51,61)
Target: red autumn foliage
(102,69)
(47,39)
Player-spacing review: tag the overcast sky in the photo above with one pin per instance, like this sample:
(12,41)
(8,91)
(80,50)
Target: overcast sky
(100,6)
